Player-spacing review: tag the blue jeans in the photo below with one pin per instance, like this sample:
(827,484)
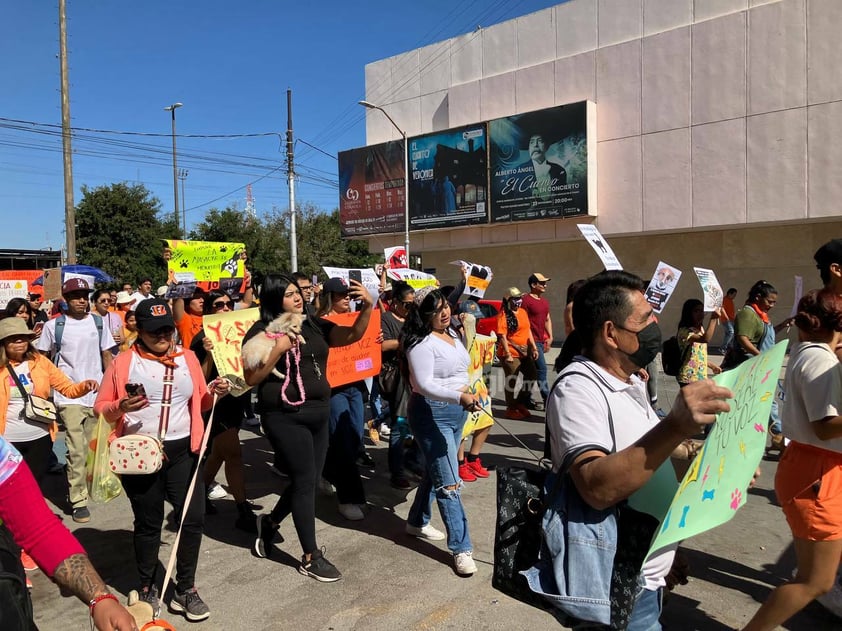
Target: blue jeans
(728,327)
(437,427)
(647,611)
(541,372)
(346,433)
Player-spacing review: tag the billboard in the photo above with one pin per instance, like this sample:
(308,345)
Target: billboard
(448,182)
(371,189)
(539,164)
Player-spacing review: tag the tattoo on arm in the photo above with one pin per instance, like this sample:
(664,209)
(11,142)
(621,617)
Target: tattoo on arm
(77,574)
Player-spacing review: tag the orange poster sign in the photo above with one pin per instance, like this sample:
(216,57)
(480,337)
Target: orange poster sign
(346,364)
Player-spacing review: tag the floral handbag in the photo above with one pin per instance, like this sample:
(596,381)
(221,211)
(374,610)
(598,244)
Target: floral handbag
(139,454)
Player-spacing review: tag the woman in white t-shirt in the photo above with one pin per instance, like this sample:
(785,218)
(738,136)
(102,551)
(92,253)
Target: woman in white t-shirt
(809,478)
(438,374)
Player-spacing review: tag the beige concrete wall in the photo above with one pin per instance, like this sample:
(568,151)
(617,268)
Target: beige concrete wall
(740,257)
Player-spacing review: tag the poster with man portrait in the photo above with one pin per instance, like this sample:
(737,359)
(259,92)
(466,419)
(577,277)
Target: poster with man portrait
(662,285)
(448,178)
(371,189)
(539,164)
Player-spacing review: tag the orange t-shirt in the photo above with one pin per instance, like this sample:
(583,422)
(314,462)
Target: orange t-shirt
(188,327)
(729,313)
(519,337)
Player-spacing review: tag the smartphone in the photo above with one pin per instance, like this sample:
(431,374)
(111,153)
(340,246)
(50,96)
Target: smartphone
(355,274)
(135,390)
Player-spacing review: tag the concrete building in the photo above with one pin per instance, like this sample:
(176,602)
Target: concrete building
(718,126)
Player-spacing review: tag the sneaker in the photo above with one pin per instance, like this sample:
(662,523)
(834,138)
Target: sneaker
(351,512)
(384,431)
(659,412)
(523,410)
(464,563)
(28,584)
(266,532)
(252,421)
(515,414)
(149,594)
(27,562)
(216,492)
(326,488)
(81,515)
(477,469)
(190,604)
(247,522)
(401,483)
(366,461)
(538,406)
(319,568)
(210,509)
(466,474)
(426,532)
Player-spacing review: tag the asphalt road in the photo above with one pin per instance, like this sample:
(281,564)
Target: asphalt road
(392,581)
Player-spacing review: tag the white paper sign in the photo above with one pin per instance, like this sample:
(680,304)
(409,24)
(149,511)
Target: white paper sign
(369,279)
(662,285)
(711,287)
(413,278)
(12,289)
(478,278)
(600,246)
(798,293)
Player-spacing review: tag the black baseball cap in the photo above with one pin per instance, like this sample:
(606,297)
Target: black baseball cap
(153,314)
(336,286)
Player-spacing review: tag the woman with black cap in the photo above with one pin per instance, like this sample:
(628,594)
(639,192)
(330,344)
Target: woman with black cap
(295,411)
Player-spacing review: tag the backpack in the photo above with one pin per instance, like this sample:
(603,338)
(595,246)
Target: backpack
(60,321)
(671,357)
(15,603)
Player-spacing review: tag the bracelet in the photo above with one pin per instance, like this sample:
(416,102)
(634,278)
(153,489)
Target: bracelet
(97,599)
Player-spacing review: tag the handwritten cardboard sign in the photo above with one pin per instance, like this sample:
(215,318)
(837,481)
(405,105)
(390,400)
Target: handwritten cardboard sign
(12,289)
(202,261)
(227,331)
(716,485)
(481,351)
(347,364)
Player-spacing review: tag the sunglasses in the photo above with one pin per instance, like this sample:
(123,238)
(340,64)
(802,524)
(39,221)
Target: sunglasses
(104,301)
(221,304)
(541,282)
(165,332)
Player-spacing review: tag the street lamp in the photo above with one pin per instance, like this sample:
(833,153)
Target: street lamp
(172,108)
(372,106)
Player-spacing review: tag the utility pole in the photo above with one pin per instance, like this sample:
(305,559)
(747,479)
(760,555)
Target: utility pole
(182,175)
(67,150)
(293,238)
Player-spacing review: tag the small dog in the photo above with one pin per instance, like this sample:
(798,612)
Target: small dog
(256,350)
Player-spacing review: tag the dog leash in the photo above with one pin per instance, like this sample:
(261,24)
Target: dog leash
(538,458)
(187,498)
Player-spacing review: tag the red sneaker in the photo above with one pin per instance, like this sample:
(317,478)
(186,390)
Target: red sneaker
(477,469)
(466,473)
(26,561)
(524,410)
(515,414)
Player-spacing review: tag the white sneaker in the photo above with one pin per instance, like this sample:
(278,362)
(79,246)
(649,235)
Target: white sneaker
(351,512)
(326,488)
(464,563)
(216,492)
(426,532)
(384,430)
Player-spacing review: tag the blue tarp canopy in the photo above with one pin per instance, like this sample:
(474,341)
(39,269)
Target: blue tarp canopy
(98,274)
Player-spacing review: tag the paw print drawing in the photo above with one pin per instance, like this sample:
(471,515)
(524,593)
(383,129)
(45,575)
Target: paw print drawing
(185,265)
(736,498)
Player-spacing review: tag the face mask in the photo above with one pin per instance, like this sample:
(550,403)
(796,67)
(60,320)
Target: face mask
(649,345)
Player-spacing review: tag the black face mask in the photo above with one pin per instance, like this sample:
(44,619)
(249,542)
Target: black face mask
(649,345)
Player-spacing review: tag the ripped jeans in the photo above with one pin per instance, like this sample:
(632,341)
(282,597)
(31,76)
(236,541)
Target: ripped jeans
(437,427)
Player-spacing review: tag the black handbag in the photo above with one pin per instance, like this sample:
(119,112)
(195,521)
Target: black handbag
(388,378)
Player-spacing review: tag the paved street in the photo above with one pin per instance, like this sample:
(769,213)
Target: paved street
(392,581)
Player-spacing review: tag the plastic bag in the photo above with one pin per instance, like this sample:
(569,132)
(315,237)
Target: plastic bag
(103,484)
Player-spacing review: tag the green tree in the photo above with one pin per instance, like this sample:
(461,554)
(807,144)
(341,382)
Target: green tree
(320,243)
(119,230)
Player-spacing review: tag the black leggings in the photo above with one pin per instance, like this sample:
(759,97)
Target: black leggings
(300,442)
(36,454)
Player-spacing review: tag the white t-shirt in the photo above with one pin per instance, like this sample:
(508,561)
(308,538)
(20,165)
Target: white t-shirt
(151,374)
(438,370)
(18,429)
(813,391)
(138,298)
(81,353)
(578,418)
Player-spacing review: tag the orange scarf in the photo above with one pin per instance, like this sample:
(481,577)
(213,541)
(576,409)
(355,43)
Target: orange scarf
(168,359)
(761,314)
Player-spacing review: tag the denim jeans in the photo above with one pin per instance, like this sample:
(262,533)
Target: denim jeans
(346,434)
(437,427)
(541,372)
(647,611)
(728,328)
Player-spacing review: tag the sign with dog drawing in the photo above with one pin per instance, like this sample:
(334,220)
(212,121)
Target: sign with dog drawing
(717,482)
(203,261)
(354,362)
(477,278)
(600,246)
(226,330)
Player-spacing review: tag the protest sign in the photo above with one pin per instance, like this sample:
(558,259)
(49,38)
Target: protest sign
(716,484)
(797,293)
(29,275)
(711,288)
(52,283)
(369,278)
(478,278)
(600,246)
(413,278)
(396,257)
(12,289)
(354,362)
(481,352)
(226,331)
(204,260)
(662,285)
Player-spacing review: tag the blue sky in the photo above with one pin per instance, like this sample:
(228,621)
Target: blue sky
(230,63)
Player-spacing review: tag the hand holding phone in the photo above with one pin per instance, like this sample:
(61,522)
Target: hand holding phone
(135,390)
(355,274)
